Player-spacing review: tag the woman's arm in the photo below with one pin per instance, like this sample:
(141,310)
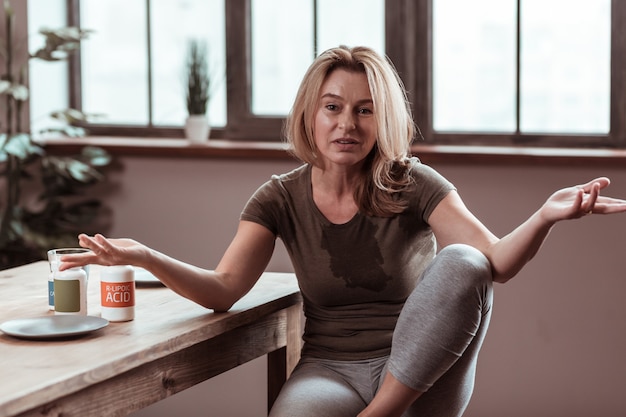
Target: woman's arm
(242,264)
(452,222)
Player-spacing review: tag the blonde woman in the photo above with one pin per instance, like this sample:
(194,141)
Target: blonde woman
(395,272)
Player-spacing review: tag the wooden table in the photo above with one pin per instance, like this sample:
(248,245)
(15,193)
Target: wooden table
(171,345)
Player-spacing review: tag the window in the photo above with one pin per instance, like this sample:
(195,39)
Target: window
(540,72)
(563,56)
(483,72)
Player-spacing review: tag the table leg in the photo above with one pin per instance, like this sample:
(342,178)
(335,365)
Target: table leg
(280,363)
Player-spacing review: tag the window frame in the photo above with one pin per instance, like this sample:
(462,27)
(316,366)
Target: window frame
(408,36)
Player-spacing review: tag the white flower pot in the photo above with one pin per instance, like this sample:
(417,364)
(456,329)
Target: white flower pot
(197,128)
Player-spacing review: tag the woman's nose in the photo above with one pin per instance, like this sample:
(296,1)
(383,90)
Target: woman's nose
(347,121)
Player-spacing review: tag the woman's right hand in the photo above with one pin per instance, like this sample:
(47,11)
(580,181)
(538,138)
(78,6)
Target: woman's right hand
(104,251)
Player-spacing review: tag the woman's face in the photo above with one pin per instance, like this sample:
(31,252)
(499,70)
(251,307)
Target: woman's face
(344,126)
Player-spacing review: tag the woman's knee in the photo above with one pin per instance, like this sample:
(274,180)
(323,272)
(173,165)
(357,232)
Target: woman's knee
(466,262)
(462,270)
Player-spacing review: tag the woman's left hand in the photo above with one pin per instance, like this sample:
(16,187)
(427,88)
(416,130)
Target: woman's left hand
(581,200)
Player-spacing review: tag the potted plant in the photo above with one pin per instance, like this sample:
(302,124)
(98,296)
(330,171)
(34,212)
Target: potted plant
(198,86)
(40,194)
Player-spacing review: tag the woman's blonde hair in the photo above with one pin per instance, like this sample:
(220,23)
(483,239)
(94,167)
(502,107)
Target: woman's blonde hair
(387,166)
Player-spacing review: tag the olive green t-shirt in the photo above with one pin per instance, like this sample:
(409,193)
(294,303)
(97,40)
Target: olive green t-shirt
(354,277)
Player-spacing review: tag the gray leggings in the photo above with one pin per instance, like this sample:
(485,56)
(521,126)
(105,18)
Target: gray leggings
(434,349)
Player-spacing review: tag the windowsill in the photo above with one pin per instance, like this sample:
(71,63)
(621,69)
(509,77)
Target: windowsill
(430,154)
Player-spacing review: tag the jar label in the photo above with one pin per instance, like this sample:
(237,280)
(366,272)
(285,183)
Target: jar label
(51,292)
(67,295)
(117,294)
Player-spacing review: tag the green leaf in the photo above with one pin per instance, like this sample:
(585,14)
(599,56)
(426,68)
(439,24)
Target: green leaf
(70,116)
(16,90)
(95,156)
(69,131)
(65,35)
(3,139)
(60,42)
(19,92)
(82,172)
(21,146)
(5,87)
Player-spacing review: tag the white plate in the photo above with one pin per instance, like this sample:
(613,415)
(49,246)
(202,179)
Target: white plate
(143,277)
(48,327)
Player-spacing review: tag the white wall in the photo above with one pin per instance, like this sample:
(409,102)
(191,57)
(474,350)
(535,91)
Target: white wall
(556,343)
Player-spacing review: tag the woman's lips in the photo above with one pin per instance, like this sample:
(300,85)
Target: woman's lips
(346,141)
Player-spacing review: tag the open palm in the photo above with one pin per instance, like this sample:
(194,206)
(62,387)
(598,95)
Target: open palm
(580,200)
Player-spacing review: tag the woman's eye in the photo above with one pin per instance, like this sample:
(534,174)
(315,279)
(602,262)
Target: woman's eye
(331,107)
(365,110)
